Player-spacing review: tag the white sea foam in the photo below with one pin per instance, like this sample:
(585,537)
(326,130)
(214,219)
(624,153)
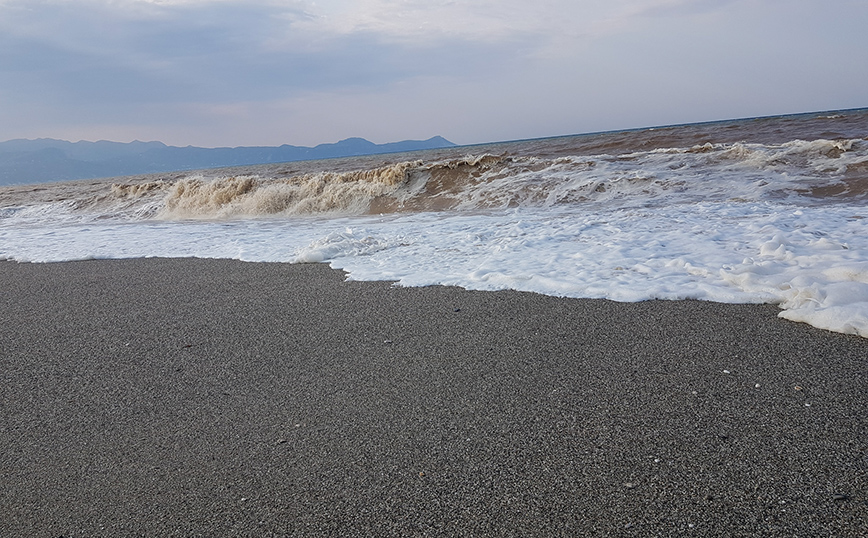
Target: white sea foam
(811,261)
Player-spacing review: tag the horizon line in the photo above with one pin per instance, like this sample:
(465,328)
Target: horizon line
(503,141)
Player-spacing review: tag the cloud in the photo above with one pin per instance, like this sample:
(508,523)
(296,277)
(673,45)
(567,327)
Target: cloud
(139,50)
(129,62)
(469,70)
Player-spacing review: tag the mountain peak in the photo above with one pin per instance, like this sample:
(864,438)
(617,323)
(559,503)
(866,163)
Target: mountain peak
(27,161)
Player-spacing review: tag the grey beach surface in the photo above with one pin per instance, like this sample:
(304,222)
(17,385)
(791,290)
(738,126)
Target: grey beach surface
(185,397)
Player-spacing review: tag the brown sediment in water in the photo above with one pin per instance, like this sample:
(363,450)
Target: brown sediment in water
(852,188)
(212,397)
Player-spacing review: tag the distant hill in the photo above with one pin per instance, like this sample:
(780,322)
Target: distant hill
(45,159)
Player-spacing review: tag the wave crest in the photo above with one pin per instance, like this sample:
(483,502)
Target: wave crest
(137,190)
(325,192)
(803,171)
(489,181)
(404,186)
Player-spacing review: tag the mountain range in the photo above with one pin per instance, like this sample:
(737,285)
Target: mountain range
(44,160)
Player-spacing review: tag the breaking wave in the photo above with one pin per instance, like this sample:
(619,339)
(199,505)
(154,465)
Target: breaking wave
(803,172)
(706,172)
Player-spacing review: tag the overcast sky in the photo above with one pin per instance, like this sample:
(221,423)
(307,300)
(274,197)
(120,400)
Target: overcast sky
(270,72)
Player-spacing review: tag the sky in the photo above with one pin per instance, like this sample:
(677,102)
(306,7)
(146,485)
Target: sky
(269,72)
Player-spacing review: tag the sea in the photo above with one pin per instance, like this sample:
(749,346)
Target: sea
(761,210)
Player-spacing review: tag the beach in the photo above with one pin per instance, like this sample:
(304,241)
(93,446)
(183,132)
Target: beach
(204,397)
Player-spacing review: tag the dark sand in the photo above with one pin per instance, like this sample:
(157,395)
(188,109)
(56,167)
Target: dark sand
(217,398)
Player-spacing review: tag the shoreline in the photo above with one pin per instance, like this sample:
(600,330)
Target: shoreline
(162,396)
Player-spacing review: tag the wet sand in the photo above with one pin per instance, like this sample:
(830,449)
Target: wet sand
(158,397)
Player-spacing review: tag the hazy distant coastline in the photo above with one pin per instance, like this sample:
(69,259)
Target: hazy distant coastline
(44,160)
